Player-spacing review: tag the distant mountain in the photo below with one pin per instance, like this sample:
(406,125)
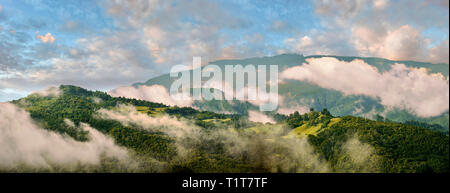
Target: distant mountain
(310,95)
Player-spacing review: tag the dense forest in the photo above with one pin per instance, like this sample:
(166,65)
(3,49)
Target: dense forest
(311,142)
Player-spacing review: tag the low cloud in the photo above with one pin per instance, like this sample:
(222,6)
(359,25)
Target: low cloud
(248,93)
(290,110)
(256,116)
(23,142)
(128,116)
(50,91)
(358,157)
(160,94)
(264,147)
(153,93)
(414,89)
(261,149)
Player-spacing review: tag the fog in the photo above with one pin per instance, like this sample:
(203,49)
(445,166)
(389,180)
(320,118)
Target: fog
(24,143)
(266,147)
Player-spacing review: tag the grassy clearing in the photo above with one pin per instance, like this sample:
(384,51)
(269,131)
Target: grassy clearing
(305,130)
(333,121)
(217,120)
(151,111)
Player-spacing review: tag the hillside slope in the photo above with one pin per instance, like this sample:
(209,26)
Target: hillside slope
(160,138)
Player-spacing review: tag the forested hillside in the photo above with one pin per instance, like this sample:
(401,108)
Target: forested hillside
(159,138)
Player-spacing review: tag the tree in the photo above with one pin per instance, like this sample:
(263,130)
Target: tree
(378,117)
(326,112)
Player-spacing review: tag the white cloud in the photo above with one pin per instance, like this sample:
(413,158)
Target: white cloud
(50,91)
(302,44)
(256,116)
(128,115)
(248,92)
(290,110)
(153,93)
(320,43)
(440,53)
(403,43)
(413,89)
(158,26)
(99,63)
(397,34)
(160,94)
(380,4)
(47,38)
(23,142)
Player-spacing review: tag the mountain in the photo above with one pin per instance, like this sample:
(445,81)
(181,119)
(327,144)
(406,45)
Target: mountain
(307,94)
(161,138)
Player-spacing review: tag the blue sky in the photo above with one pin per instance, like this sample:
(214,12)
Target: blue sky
(105,44)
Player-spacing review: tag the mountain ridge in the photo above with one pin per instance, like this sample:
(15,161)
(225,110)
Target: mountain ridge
(317,97)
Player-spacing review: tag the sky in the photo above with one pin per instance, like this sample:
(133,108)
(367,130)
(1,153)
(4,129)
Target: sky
(105,44)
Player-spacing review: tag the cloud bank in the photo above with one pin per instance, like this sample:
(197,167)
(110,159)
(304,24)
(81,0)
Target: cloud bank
(22,142)
(153,93)
(414,89)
